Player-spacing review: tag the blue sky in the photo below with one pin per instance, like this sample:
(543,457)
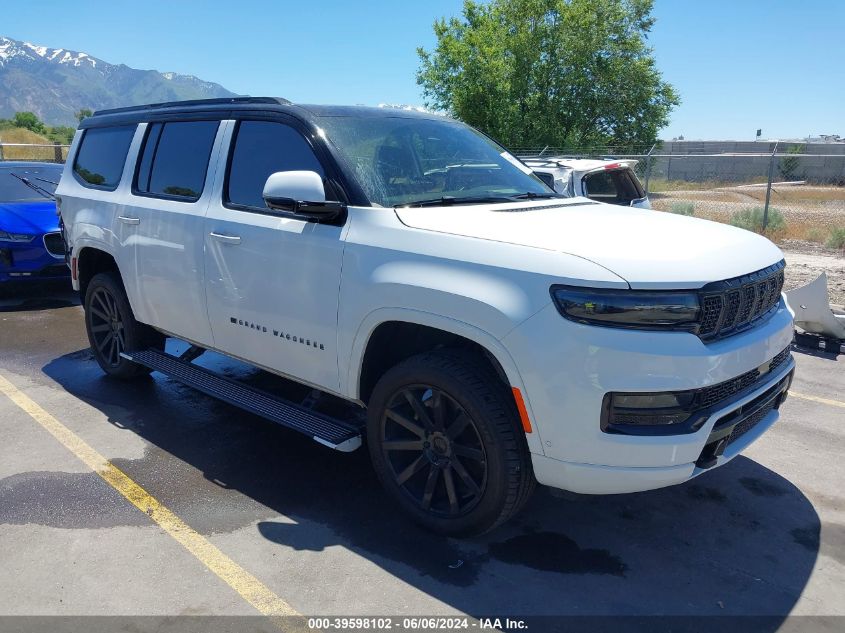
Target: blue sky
(739,65)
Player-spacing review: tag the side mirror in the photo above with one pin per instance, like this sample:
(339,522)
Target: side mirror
(302,193)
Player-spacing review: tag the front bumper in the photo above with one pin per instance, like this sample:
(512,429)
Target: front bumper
(22,261)
(733,430)
(565,385)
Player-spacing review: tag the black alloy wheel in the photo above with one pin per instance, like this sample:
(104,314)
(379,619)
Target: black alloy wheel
(106,326)
(447,444)
(434,451)
(112,328)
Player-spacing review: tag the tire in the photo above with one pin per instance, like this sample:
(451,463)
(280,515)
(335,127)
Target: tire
(112,328)
(446,443)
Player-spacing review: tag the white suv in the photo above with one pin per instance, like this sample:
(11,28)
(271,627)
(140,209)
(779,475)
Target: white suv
(605,180)
(488,332)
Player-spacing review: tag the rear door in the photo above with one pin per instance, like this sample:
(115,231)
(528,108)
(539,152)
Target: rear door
(272,277)
(163,221)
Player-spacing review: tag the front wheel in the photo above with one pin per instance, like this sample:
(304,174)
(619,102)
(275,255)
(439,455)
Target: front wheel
(112,328)
(446,443)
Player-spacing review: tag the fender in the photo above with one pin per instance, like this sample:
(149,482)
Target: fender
(79,245)
(350,379)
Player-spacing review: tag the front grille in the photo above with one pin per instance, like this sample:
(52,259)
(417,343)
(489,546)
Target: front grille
(729,430)
(714,394)
(730,306)
(54,244)
(752,420)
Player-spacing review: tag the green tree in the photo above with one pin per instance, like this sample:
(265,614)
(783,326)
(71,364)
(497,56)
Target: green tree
(61,133)
(573,73)
(29,121)
(83,113)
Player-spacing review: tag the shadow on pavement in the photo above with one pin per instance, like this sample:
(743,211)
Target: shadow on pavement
(37,295)
(738,540)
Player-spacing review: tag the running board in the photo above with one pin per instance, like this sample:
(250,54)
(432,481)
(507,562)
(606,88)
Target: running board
(328,431)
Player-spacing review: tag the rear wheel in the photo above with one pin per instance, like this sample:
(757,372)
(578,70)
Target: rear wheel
(445,441)
(112,328)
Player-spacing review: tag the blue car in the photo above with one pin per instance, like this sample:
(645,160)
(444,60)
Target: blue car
(31,245)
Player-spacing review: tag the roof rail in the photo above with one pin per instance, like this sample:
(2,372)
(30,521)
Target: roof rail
(195,102)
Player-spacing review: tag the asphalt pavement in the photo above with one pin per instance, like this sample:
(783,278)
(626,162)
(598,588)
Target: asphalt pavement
(764,535)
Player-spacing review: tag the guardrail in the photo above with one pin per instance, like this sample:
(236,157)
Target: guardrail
(52,152)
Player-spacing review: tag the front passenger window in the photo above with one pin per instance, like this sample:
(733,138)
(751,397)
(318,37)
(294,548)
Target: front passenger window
(263,148)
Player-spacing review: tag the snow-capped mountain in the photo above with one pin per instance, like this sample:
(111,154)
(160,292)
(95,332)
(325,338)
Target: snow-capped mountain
(54,83)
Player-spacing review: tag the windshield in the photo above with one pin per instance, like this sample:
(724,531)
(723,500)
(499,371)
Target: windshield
(405,161)
(13,190)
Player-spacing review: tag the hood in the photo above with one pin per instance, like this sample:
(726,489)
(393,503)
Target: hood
(646,248)
(33,218)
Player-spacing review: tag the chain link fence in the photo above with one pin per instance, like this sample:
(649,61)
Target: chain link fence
(788,190)
(48,153)
(791,191)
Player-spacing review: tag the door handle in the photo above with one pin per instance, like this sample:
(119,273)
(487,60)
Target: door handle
(128,220)
(226,239)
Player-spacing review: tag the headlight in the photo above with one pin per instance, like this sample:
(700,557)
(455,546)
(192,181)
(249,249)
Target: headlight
(638,309)
(15,237)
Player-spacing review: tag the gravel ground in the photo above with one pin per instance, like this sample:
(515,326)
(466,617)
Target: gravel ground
(803,208)
(807,260)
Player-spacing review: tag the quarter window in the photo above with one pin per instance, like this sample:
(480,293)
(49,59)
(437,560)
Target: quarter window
(175,158)
(263,148)
(102,155)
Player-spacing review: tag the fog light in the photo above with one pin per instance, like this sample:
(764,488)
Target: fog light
(639,413)
(651,400)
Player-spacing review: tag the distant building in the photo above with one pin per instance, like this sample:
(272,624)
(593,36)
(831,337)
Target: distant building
(826,138)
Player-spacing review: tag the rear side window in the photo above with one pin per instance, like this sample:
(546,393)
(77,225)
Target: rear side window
(174,160)
(262,148)
(547,178)
(614,186)
(101,156)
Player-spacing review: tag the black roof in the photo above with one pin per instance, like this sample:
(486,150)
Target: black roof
(223,107)
(194,103)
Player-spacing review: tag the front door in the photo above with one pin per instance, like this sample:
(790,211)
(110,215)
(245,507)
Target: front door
(272,278)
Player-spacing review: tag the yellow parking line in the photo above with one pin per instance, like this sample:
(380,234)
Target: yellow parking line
(248,586)
(802,396)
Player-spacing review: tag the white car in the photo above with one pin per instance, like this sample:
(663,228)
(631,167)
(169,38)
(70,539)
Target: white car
(605,180)
(485,332)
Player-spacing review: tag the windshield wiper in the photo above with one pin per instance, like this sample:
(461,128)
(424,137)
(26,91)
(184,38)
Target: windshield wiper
(33,186)
(446,201)
(530,195)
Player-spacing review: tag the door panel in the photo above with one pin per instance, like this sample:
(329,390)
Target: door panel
(272,280)
(168,243)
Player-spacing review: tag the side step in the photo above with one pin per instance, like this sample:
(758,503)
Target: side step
(331,432)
